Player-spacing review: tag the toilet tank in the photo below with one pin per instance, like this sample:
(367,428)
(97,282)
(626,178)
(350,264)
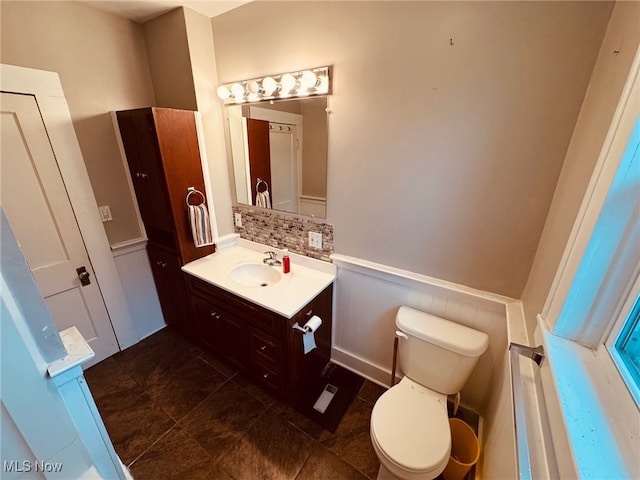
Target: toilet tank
(438,353)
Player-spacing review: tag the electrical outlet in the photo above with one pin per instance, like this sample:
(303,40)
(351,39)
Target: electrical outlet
(237,219)
(315,240)
(105,213)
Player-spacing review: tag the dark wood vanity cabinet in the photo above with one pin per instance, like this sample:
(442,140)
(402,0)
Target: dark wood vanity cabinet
(261,343)
(220,330)
(162,151)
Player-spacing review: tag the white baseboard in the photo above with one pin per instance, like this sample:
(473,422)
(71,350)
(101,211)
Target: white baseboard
(374,373)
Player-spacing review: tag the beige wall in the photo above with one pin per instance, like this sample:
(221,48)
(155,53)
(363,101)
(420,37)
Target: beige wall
(603,95)
(168,50)
(443,159)
(205,75)
(103,66)
(183,66)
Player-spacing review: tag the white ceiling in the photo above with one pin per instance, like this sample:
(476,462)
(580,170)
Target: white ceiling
(142,10)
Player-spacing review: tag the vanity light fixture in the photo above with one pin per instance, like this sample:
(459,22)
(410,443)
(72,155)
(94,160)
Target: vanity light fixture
(305,83)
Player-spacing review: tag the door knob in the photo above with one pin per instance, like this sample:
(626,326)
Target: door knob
(83,275)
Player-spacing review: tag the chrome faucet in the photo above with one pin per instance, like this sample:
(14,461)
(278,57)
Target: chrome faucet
(271,259)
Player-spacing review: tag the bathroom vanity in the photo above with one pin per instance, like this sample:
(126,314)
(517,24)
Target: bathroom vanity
(247,312)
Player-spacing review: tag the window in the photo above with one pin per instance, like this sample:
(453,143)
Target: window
(611,258)
(593,312)
(626,350)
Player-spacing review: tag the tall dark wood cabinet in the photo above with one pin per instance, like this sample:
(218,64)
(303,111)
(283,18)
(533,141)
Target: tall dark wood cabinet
(161,146)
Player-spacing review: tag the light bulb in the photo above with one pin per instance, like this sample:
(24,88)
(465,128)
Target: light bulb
(253,86)
(238,91)
(288,83)
(269,85)
(308,80)
(323,85)
(223,92)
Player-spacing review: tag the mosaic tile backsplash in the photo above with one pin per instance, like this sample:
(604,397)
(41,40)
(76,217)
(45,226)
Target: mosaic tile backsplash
(281,230)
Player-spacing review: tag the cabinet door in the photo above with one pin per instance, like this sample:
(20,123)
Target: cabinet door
(143,157)
(236,340)
(171,288)
(209,325)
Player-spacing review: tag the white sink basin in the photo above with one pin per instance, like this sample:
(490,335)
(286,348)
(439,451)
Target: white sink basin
(307,278)
(255,275)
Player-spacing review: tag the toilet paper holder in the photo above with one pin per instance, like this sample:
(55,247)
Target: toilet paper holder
(305,328)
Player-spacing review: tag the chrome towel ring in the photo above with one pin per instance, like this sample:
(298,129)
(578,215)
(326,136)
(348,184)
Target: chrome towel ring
(266,186)
(192,191)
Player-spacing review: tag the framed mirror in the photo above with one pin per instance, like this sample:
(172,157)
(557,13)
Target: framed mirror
(279,154)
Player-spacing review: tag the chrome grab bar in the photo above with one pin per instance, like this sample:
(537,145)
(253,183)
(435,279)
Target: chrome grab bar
(522,440)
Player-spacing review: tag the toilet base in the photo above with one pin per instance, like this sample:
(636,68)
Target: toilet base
(384,474)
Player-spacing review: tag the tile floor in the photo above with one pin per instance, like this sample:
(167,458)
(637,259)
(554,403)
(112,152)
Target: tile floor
(174,411)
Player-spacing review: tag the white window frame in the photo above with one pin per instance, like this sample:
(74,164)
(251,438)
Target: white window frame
(600,419)
(619,324)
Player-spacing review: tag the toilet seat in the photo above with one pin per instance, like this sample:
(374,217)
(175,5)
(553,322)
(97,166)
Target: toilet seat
(410,430)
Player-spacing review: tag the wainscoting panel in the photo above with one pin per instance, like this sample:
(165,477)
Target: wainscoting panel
(368,296)
(134,270)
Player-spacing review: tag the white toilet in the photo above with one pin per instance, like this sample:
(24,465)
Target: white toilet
(409,422)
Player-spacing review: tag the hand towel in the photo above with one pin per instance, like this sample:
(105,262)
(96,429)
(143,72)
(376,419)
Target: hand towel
(263,200)
(200,225)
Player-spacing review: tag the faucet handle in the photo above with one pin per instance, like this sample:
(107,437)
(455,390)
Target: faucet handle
(271,260)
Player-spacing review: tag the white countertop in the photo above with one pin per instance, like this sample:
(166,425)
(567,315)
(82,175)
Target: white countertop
(307,278)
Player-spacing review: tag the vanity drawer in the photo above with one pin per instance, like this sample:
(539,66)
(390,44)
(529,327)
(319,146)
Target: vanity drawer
(210,292)
(256,316)
(268,377)
(267,322)
(265,348)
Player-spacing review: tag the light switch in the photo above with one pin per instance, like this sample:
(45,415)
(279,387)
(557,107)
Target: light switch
(105,213)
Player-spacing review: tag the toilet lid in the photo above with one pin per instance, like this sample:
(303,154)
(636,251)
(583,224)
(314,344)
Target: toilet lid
(412,428)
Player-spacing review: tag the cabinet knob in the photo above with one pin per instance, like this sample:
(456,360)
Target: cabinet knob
(141,175)
(215,315)
(265,376)
(263,348)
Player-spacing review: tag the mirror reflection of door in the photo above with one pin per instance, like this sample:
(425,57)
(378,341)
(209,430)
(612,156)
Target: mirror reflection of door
(273,165)
(284,167)
(259,155)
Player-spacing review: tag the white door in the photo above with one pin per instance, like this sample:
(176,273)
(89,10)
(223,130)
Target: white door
(36,203)
(284,168)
